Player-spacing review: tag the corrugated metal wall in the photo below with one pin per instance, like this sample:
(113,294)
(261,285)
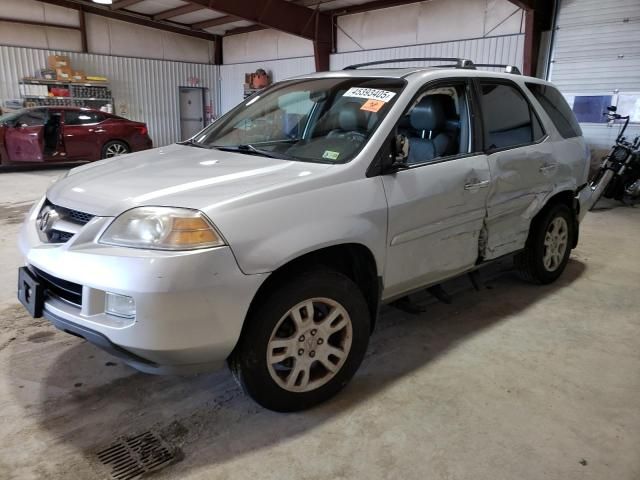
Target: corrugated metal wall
(148,88)
(500,49)
(232,76)
(596,51)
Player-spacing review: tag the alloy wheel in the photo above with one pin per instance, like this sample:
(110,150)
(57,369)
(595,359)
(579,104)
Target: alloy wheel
(115,149)
(555,244)
(309,345)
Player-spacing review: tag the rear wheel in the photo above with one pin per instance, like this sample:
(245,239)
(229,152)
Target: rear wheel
(114,149)
(548,247)
(303,343)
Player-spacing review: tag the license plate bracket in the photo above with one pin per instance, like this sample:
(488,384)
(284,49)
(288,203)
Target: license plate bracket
(30,292)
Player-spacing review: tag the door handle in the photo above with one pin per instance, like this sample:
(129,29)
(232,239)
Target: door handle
(476,185)
(548,167)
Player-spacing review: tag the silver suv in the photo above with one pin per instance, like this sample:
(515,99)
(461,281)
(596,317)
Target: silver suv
(270,239)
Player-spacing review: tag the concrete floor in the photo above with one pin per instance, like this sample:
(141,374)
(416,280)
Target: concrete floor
(511,382)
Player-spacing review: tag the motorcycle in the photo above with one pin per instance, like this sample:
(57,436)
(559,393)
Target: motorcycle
(619,174)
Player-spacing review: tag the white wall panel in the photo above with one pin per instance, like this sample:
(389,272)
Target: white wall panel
(428,22)
(264,45)
(148,88)
(39,37)
(507,49)
(232,76)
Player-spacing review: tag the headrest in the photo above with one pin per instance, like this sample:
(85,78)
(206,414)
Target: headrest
(428,114)
(352,118)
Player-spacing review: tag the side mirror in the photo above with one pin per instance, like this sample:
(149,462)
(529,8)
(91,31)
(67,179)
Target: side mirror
(399,153)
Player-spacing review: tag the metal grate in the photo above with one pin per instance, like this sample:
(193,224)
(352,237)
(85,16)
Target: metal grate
(131,458)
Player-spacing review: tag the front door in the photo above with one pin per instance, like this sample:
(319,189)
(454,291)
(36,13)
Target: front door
(191,111)
(521,162)
(24,141)
(438,205)
(83,134)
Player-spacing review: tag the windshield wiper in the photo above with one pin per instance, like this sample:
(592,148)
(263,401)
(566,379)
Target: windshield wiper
(192,143)
(248,148)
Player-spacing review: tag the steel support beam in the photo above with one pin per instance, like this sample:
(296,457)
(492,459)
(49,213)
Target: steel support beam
(214,22)
(284,16)
(118,4)
(217,51)
(83,31)
(174,12)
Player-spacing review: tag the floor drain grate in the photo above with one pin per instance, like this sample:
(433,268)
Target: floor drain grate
(132,457)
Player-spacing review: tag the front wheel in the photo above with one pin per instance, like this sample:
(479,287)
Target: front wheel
(303,343)
(547,250)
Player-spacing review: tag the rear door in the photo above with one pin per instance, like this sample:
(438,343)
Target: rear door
(24,141)
(438,205)
(83,134)
(521,161)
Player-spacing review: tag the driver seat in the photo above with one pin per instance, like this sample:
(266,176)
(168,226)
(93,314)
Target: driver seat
(351,120)
(429,120)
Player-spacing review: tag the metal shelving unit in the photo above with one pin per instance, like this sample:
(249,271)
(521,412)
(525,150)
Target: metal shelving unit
(36,92)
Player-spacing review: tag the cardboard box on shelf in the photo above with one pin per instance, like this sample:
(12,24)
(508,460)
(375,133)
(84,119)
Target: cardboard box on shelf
(59,61)
(64,73)
(78,76)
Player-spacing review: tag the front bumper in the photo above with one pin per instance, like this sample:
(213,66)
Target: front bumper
(190,306)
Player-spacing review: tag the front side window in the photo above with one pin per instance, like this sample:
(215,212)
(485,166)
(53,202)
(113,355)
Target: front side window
(325,120)
(80,117)
(559,111)
(509,120)
(32,118)
(436,124)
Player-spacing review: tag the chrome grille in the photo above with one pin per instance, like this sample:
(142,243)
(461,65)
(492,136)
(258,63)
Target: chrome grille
(58,224)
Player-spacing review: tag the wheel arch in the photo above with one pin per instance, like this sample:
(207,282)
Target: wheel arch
(568,198)
(353,260)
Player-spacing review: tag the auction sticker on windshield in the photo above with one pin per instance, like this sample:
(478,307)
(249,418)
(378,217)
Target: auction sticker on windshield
(370,94)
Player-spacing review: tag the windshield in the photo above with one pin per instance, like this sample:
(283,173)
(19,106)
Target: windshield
(325,120)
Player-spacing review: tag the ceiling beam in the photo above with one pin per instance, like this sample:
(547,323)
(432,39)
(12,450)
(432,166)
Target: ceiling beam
(277,14)
(214,22)
(524,4)
(39,24)
(130,17)
(367,7)
(118,4)
(175,12)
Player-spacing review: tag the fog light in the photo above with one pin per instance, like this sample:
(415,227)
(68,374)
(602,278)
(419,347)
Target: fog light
(119,305)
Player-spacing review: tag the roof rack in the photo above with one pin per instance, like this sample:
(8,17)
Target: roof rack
(507,68)
(455,63)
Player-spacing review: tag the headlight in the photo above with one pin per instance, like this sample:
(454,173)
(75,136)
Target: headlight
(162,228)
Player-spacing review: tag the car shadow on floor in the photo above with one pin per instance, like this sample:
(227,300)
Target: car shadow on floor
(87,399)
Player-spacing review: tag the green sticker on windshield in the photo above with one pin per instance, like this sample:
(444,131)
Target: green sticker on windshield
(330,155)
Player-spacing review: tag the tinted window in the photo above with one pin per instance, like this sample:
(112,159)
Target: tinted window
(557,108)
(81,118)
(508,117)
(31,118)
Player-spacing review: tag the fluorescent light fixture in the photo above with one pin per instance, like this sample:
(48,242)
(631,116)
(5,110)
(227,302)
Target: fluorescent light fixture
(103,2)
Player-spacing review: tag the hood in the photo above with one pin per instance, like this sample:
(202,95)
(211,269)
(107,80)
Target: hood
(177,176)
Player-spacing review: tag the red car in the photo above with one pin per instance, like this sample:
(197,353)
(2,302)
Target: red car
(67,134)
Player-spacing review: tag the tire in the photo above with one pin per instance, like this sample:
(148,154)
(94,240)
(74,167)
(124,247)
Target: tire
(114,148)
(296,376)
(535,263)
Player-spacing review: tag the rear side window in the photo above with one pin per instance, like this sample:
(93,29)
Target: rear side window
(81,118)
(557,108)
(509,120)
